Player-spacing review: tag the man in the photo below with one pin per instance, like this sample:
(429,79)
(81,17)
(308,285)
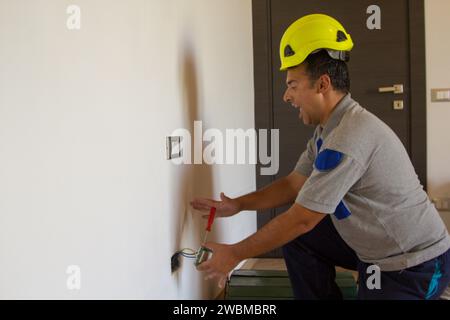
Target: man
(357,199)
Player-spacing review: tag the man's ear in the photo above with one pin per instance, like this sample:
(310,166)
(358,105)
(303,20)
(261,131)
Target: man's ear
(324,83)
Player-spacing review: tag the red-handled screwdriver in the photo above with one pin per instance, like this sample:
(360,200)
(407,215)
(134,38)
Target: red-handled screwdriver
(212,213)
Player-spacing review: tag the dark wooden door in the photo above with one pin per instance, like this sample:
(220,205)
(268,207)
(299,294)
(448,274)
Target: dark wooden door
(392,54)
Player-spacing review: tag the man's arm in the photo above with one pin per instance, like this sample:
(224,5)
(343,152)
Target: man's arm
(277,194)
(279,231)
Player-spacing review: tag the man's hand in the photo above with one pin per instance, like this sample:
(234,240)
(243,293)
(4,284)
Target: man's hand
(221,264)
(225,208)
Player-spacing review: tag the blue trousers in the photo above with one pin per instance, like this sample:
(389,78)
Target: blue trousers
(311,260)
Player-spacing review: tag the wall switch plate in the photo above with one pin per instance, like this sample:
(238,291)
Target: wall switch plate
(440,95)
(173,147)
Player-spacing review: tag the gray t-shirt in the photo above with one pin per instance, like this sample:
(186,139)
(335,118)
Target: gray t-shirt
(360,172)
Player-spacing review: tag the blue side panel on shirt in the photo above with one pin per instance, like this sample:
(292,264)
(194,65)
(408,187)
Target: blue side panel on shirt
(328,160)
(342,211)
(319,144)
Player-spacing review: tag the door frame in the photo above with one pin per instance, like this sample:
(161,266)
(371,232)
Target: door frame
(263,78)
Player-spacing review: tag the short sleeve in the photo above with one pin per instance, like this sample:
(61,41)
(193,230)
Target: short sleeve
(333,176)
(305,163)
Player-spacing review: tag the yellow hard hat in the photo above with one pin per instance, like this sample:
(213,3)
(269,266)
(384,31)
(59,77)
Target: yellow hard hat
(312,33)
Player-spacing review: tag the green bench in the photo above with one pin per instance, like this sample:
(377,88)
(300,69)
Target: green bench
(275,285)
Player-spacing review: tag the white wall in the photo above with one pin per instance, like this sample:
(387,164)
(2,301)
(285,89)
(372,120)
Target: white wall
(83,117)
(438,114)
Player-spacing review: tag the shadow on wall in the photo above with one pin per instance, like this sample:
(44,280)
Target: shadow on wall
(192,180)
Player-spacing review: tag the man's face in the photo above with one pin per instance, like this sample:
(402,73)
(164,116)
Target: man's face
(303,94)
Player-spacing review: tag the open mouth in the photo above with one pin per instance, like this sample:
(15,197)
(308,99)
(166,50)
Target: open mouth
(299,109)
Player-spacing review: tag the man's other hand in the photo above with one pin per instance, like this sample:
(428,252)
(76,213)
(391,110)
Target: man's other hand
(224,208)
(222,262)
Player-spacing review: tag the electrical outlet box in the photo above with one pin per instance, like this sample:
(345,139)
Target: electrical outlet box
(175,262)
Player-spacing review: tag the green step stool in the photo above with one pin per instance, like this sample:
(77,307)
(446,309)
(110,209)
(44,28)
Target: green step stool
(275,285)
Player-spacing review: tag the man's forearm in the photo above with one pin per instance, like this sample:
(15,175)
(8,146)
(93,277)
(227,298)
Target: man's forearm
(277,194)
(279,231)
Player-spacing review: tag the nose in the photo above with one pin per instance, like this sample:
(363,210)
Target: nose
(286,96)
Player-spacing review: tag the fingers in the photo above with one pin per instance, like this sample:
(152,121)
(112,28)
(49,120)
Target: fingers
(217,266)
(209,245)
(223,197)
(212,275)
(199,206)
(222,281)
(222,278)
(211,271)
(205,266)
(206,202)
(203,204)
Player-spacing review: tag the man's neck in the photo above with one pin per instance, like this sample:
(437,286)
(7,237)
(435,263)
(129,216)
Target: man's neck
(330,104)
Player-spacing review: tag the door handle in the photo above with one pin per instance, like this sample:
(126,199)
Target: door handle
(396,89)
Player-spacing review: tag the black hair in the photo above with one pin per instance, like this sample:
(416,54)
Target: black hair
(320,63)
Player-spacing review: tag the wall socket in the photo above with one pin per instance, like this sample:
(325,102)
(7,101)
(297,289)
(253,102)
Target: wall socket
(442,204)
